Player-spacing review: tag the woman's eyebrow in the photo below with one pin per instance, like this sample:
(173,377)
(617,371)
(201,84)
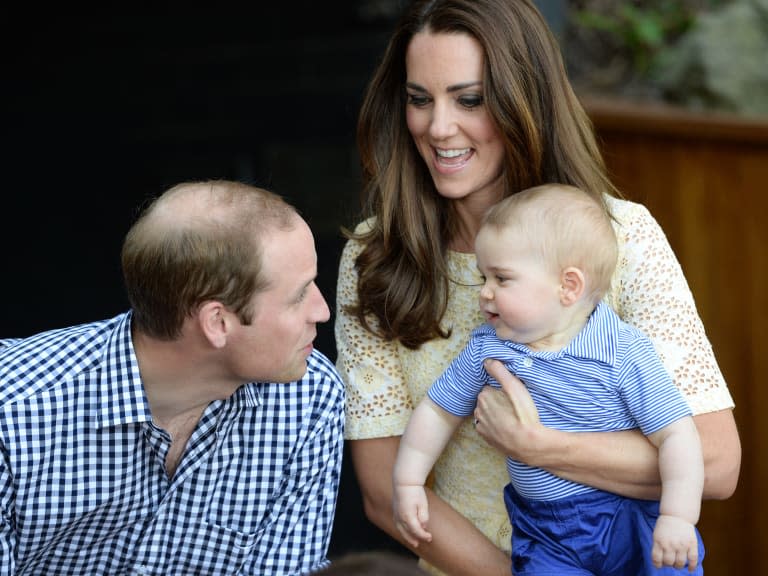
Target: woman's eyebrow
(451,88)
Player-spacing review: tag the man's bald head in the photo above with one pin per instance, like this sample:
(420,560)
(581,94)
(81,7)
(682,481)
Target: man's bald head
(199,241)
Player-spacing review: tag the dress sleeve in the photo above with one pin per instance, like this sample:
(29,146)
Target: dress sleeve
(378,400)
(650,292)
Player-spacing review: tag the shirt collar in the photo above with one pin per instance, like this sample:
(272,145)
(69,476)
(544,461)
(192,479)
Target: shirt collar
(249,394)
(122,399)
(598,340)
(121,393)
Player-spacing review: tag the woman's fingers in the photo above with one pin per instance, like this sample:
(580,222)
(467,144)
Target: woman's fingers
(506,418)
(515,391)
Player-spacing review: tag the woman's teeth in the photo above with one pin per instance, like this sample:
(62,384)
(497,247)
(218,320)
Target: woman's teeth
(452,153)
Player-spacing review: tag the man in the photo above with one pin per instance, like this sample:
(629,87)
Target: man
(198,433)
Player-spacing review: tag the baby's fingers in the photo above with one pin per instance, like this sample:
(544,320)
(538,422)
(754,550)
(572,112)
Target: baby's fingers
(677,557)
(413,532)
(693,557)
(419,524)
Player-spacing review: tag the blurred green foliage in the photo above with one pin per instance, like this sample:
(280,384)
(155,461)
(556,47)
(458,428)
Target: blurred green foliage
(639,30)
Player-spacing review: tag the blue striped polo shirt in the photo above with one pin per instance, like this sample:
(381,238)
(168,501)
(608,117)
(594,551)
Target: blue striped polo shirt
(607,378)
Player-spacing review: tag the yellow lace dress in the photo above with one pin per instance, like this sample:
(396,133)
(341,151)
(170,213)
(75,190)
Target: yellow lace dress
(386,380)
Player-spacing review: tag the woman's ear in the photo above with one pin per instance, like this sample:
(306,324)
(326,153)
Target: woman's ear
(214,322)
(572,285)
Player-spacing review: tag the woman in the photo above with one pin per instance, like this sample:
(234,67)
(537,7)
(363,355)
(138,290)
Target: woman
(470,104)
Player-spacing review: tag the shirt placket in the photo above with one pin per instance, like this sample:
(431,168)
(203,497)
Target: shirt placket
(151,558)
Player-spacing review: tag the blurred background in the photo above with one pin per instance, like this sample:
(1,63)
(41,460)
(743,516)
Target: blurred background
(107,106)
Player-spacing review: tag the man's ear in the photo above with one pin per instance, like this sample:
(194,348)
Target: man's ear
(572,285)
(215,323)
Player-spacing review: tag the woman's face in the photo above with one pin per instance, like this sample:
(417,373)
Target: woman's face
(448,119)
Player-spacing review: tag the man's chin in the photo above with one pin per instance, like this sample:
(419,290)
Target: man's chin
(298,372)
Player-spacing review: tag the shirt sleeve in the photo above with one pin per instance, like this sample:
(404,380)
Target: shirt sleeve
(647,389)
(8,342)
(297,541)
(378,399)
(456,390)
(650,292)
(7,530)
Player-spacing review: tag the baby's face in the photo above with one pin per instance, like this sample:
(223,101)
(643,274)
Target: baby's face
(520,297)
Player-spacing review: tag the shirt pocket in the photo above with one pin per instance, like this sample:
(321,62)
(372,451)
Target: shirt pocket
(221,550)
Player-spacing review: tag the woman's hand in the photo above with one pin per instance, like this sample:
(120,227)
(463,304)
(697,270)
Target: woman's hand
(623,462)
(507,419)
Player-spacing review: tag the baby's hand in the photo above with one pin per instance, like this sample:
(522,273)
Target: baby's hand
(674,543)
(411,513)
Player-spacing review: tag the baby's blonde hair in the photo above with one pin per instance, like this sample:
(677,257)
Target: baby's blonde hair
(566,226)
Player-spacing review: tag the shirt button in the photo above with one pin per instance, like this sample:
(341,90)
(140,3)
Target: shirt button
(528,362)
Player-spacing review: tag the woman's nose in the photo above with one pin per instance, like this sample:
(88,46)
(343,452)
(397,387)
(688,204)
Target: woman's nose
(443,122)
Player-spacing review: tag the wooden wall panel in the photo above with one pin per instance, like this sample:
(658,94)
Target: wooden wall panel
(704,178)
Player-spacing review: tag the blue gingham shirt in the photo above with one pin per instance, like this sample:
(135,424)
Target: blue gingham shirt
(83,486)
(608,377)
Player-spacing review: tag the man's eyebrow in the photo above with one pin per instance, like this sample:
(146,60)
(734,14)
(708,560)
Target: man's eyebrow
(304,287)
(451,88)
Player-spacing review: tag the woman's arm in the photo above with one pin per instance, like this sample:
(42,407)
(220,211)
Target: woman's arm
(457,547)
(625,463)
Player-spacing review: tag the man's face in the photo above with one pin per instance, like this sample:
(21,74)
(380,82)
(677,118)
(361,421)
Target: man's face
(275,346)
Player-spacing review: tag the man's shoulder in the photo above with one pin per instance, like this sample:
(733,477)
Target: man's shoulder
(49,341)
(36,362)
(320,369)
(8,342)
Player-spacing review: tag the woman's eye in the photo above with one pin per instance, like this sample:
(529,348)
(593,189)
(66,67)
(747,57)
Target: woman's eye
(417,100)
(471,101)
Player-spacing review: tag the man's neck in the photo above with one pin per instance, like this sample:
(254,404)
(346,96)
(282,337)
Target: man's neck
(180,377)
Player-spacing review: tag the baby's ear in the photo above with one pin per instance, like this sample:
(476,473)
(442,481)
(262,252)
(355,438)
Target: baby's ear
(572,285)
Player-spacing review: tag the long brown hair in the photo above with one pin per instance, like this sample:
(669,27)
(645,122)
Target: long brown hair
(548,138)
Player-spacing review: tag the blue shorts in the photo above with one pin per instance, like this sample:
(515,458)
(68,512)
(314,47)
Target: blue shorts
(596,533)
